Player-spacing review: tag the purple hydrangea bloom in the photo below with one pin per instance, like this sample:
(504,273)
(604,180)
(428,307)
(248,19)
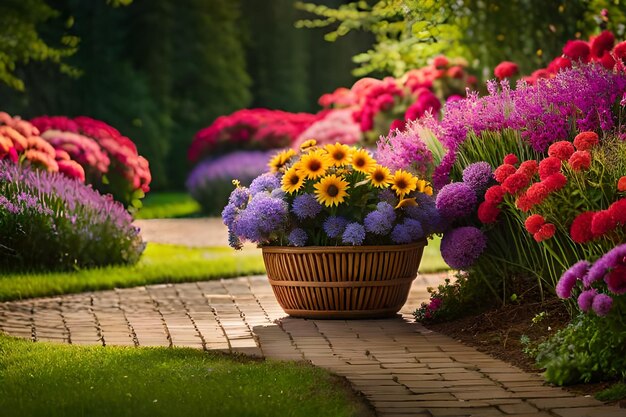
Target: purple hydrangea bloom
(612,259)
(229,213)
(334,226)
(239,197)
(263,216)
(585,299)
(354,234)
(461,247)
(266,182)
(456,200)
(602,304)
(569,278)
(306,206)
(298,237)
(478,176)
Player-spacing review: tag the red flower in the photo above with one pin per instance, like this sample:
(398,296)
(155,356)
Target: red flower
(534,222)
(601,44)
(586,140)
(607,61)
(581,227)
(510,159)
(620,51)
(523,203)
(602,222)
(562,150)
(545,232)
(515,183)
(495,194)
(616,280)
(528,168)
(488,212)
(72,169)
(397,124)
(558,64)
(555,182)
(577,50)
(455,72)
(617,210)
(537,192)
(440,62)
(503,172)
(621,184)
(549,166)
(505,69)
(580,160)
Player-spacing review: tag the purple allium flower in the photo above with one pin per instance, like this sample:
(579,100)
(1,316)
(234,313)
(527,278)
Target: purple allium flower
(266,182)
(298,237)
(612,259)
(585,299)
(602,304)
(239,197)
(478,176)
(378,223)
(334,226)
(354,234)
(568,280)
(306,206)
(456,200)
(461,247)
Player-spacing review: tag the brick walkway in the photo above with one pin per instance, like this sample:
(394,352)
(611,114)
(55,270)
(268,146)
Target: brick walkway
(401,367)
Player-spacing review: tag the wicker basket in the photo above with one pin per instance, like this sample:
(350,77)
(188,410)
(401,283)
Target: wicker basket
(342,282)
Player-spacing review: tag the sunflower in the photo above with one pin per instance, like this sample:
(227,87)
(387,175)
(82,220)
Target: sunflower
(338,154)
(292,180)
(403,183)
(308,144)
(331,190)
(313,164)
(380,177)
(424,186)
(362,161)
(280,159)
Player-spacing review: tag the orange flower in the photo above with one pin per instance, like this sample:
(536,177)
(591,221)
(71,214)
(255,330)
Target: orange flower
(621,184)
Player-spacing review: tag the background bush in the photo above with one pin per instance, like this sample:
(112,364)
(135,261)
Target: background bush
(48,221)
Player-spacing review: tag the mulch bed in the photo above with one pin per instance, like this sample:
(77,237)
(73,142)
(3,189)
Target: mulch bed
(498,332)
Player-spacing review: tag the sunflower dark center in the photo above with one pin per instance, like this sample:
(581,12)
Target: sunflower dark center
(294,179)
(315,165)
(332,190)
(379,176)
(339,155)
(401,184)
(359,162)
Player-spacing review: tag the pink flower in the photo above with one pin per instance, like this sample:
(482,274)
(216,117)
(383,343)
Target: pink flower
(505,69)
(577,50)
(601,43)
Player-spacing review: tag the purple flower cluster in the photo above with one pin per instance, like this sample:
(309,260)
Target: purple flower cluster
(380,221)
(461,247)
(612,268)
(478,176)
(267,182)
(543,113)
(263,216)
(354,234)
(404,149)
(568,280)
(51,221)
(456,200)
(210,182)
(298,237)
(407,232)
(334,226)
(427,214)
(306,206)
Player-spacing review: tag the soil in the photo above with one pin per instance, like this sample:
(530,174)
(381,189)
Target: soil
(498,332)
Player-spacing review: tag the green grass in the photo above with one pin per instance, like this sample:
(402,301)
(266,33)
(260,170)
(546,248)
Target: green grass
(615,392)
(168,205)
(159,264)
(431,259)
(43,379)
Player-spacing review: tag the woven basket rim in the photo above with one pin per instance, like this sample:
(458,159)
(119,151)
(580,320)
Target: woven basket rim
(345,249)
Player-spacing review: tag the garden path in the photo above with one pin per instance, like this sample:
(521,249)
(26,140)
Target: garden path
(403,368)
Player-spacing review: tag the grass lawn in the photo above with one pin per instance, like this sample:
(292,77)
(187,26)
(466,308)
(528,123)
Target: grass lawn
(43,379)
(162,205)
(159,264)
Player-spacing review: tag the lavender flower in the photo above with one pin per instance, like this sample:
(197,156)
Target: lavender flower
(298,237)
(229,213)
(569,278)
(405,149)
(585,299)
(456,200)
(612,259)
(239,197)
(334,226)
(263,216)
(354,234)
(267,182)
(306,206)
(602,304)
(461,247)
(478,176)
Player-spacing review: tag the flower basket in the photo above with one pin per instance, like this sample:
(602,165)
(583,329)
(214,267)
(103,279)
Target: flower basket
(342,282)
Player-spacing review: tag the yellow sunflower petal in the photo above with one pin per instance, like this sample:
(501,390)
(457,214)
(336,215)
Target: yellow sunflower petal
(292,180)
(308,144)
(407,202)
(380,177)
(403,183)
(280,159)
(362,161)
(313,165)
(338,154)
(331,190)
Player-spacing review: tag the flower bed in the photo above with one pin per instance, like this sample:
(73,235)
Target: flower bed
(48,221)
